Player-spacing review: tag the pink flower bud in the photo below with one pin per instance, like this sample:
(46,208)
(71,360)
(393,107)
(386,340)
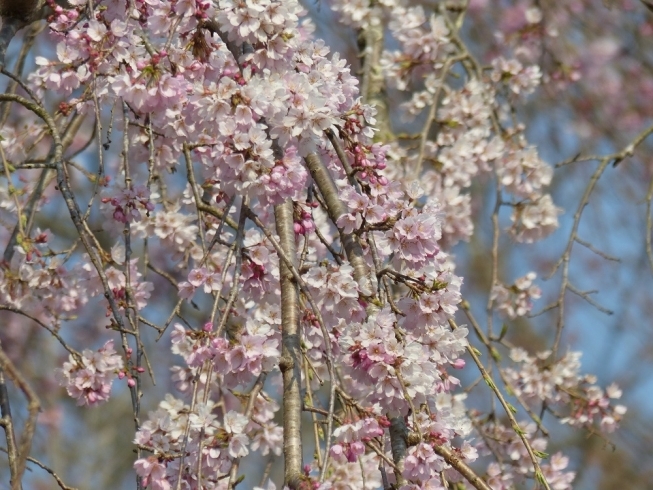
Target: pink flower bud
(458,363)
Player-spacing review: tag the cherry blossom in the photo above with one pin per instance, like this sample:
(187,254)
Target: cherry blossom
(516,300)
(247,175)
(88,378)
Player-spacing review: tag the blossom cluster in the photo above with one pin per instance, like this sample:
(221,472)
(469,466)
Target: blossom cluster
(89,376)
(208,97)
(139,290)
(514,465)
(593,73)
(209,438)
(128,203)
(517,299)
(539,378)
(336,291)
(424,43)
(389,371)
(350,439)
(470,138)
(164,433)
(39,282)
(254,353)
(520,79)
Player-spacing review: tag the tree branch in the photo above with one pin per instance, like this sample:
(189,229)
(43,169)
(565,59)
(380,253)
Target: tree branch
(290,363)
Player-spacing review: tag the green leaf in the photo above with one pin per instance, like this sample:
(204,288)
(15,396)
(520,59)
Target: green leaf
(495,354)
(504,331)
(540,477)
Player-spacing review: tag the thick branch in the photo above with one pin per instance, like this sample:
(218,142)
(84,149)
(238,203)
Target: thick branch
(354,251)
(336,208)
(287,261)
(290,350)
(399,446)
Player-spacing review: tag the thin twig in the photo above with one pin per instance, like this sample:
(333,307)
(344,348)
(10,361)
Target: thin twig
(33,406)
(13,309)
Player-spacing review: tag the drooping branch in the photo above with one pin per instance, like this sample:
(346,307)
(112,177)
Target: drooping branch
(22,451)
(52,331)
(342,156)
(59,481)
(46,176)
(237,268)
(539,475)
(336,208)
(565,258)
(7,424)
(85,235)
